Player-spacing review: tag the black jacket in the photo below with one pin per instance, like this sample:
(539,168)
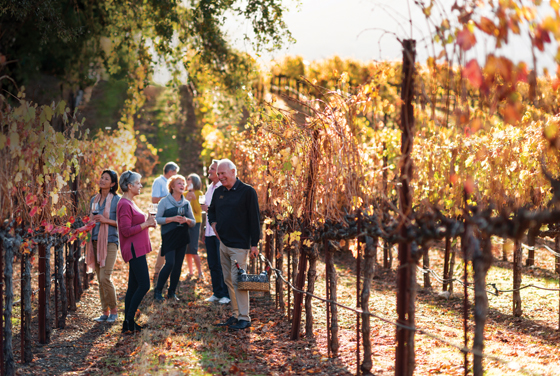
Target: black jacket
(236,214)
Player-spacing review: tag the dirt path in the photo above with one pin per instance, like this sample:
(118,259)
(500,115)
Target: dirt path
(180,338)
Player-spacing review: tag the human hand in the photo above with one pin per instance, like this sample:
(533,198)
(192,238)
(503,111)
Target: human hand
(254,252)
(99,218)
(190,196)
(151,221)
(215,231)
(204,207)
(180,219)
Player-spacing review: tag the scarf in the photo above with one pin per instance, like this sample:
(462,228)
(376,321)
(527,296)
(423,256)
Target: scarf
(102,236)
(182,202)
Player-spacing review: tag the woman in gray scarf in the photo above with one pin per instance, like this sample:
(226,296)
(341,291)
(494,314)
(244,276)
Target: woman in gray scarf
(175,216)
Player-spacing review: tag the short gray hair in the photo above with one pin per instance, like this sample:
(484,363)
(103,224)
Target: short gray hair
(229,164)
(170,166)
(196,182)
(127,178)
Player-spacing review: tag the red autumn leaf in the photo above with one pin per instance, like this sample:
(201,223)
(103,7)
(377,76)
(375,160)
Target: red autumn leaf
(45,202)
(486,25)
(473,73)
(522,72)
(85,219)
(72,238)
(72,219)
(30,231)
(33,211)
(49,227)
(30,199)
(465,39)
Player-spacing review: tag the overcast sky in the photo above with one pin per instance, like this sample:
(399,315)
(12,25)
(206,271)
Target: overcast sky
(368,29)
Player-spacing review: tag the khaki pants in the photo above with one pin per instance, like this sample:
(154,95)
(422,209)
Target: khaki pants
(159,263)
(107,293)
(239,299)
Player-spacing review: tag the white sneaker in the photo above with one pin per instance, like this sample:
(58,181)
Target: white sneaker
(212,299)
(224,300)
(101,318)
(112,317)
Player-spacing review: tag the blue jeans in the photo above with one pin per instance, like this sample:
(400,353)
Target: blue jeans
(213,256)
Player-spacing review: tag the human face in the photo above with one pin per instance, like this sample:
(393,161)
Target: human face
(226,175)
(212,175)
(179,186)
(189,184)
(170,173)
(135,188)
(105,182)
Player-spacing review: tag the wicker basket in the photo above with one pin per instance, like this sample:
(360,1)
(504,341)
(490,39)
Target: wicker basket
(252,282)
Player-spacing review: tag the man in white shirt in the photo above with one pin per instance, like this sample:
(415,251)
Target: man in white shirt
(212,243)
(159,191)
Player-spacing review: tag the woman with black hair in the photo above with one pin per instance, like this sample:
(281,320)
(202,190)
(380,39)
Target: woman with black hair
(102,248)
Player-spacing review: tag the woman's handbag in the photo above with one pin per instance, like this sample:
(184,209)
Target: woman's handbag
(252,282)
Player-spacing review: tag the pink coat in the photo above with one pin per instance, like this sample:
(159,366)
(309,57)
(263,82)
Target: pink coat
(129,219)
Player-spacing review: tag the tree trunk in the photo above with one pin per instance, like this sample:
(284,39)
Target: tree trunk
(517,278)
(189,138)
(446,263)
(333,279)
(531,241)
(504,251)
(311,277)
(481,263)
(369,269)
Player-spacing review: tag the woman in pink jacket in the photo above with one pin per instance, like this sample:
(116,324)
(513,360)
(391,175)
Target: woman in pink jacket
(135,244)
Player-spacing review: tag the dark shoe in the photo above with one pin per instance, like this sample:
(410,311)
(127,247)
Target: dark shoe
(241,324)
(132,327)
(173,296)
(231,321)
(157,296)
(125,327)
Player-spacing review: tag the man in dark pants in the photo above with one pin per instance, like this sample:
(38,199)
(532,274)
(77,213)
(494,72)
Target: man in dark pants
(234,216)
(212,243)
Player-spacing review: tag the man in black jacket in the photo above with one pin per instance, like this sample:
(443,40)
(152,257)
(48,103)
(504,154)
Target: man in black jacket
(234,216)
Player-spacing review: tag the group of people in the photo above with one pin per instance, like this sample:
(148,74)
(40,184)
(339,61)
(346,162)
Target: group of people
(231,235)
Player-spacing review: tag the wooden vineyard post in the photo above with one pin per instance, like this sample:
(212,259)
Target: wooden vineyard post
(62,285)
(267,248)
(311,277)
(531,241)
(8,363)
(358,294)
(2,307)
(289,276)
(517,277)
(482,259)
(70,277)
(328,295)
(332,295)
(279,266)
(404,356)
(426,266)
(557,250)
(25,334)
(446,263)
(387,255)
(42,295)
(465,248)
(369,265)
(48,321)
